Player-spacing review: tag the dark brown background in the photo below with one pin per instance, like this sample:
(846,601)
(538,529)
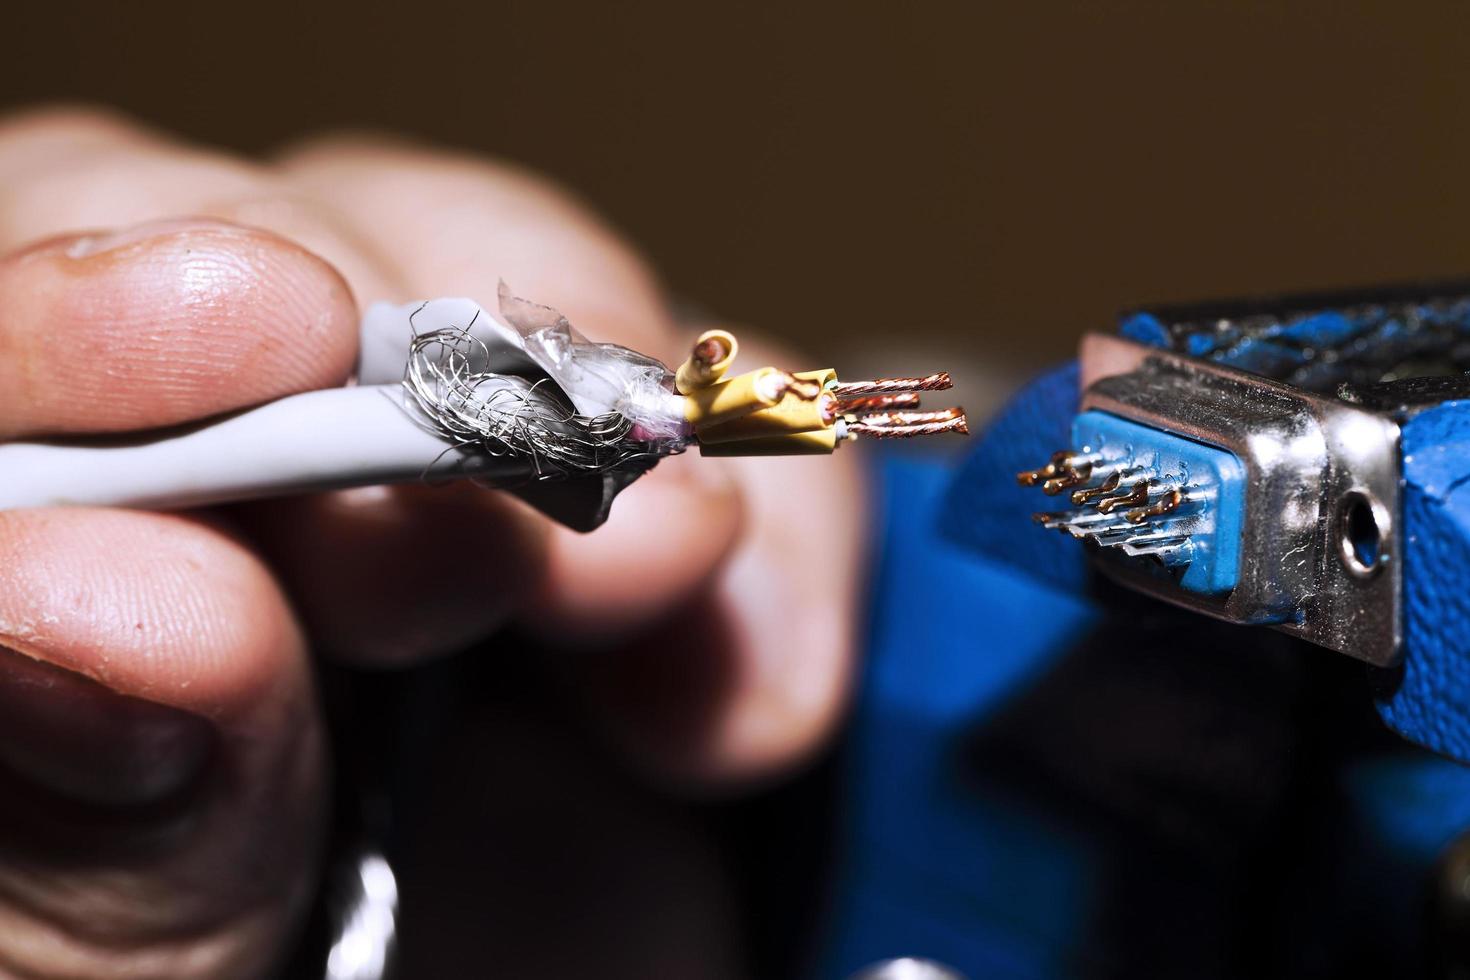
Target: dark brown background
(982,179)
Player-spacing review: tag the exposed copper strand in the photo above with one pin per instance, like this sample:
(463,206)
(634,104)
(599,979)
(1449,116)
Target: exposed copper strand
(1168,502)
(710,352)
(1107,486)
(1068,478)
(1059,461)
(888,386)
(908,418)
(1137,494)
(881,403)
(960,425)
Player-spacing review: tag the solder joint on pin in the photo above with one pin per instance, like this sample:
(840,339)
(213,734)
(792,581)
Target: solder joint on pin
(1141,495)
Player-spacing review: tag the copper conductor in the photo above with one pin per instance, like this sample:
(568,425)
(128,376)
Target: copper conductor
(830,409)
(1138,494)
(1059,460)
(908,418)
(1168,502)
(1108,486)
(1070,477)
(960,425)
(880,403)
(710,352)
(888,386)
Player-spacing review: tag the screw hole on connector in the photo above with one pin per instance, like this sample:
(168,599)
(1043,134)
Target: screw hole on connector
(1360,531)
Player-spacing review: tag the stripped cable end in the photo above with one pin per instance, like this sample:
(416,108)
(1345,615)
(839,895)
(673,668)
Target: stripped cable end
(768,412)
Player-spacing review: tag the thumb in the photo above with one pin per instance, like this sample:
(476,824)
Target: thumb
(160,754)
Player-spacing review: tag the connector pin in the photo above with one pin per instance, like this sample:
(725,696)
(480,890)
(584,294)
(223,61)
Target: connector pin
(1168,503)
(1070,477)
(1080,497)
(1137,494)
(1029,478)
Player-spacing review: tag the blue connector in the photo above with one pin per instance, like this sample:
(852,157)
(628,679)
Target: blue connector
(1144,495)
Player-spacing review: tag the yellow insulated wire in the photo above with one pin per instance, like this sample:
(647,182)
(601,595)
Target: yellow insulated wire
(741,395)
(820,442)
(792,413)
(826,377)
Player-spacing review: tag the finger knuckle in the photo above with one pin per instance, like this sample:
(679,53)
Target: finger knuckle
(67,121)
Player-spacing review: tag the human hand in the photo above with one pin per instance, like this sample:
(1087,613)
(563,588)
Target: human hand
(162,763)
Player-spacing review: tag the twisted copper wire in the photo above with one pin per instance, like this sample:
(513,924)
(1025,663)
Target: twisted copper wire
(886,386)
(909,418)
(960,425)
(881,403)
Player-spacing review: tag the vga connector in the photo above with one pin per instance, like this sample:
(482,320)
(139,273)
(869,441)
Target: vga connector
(1150,494)
(1234,494)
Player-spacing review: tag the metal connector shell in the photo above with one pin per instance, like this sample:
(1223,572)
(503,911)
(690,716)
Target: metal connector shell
(1317,468)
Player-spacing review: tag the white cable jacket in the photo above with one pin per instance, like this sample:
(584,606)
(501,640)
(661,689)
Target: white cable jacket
(320,440)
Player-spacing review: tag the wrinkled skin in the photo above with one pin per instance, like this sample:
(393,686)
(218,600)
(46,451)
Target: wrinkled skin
(162,759)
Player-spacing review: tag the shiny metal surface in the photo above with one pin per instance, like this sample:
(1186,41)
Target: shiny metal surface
(907,968)
(365,912)
(1305,454)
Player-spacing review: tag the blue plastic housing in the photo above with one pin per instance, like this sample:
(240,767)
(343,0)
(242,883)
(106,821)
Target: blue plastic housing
(1213,480)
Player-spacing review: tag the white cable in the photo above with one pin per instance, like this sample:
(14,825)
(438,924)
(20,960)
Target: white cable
(321,440)
(365,435)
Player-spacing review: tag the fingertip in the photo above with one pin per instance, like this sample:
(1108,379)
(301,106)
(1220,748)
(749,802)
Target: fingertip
(163,323)
(42,129)
(151,606)
(161,757)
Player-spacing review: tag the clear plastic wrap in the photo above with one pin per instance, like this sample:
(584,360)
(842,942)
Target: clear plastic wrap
(598,378)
